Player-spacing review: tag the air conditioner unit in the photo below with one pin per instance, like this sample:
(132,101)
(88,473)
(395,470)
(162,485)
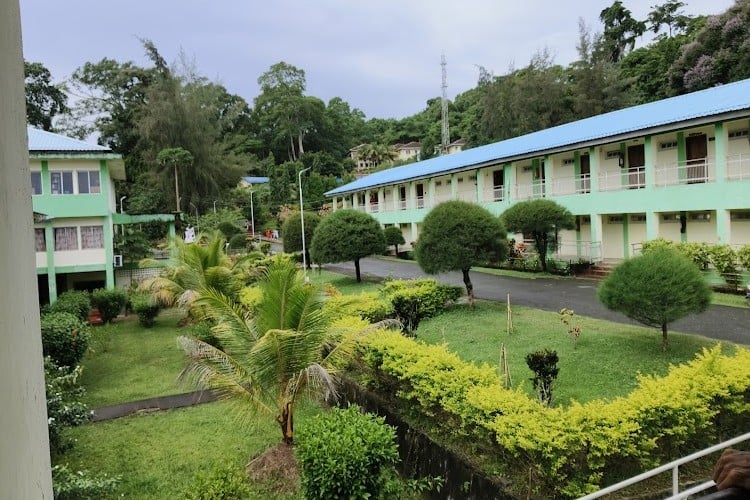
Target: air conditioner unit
(118,260)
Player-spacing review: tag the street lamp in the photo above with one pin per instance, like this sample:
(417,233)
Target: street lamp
(215,205)
(197,227)
(122,226)
(252,215)
(302,221)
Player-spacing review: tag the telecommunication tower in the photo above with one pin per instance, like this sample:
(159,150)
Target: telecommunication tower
(446,136)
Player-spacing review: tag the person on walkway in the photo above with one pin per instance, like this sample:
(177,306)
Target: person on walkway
(733,470)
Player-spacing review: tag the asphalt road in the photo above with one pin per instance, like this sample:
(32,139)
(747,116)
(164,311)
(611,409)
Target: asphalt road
(718,322)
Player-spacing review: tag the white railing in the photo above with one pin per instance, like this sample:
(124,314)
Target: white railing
(529,191)
(402,204)
(738,167)
(374,207)
(632,178)
(561,186)
(673,466)
(584,184)
(687,172)
(590,251)
(420,202)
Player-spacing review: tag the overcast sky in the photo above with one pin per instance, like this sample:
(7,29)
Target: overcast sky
(382,56)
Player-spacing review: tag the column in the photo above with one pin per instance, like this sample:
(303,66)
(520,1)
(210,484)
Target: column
(381,200)
(649,150)
(411,193)
(681,157)
(596,237)
(454,187)
(577,182)
(396,194)
(367,201)
(548,176)
(414,234)
(723,226)
(24,447)
(720,151)
(480,185)
(626,235)
(509,178)
(355,200)
(335,203)
(431,192)
(594,167)
(652,225)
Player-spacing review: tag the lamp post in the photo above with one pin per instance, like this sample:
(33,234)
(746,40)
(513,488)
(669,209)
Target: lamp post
(215,205)
(252,215)
(122,226)
(302,221)
(197,227)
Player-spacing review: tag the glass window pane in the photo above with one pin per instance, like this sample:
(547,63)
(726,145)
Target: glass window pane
(67,182)
(92,237)
(36,183)
(94,185)
(40,241)
(66,238)
(83,182)
(56,182)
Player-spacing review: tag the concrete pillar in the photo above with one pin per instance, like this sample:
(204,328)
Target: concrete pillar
(723,227)
(335,203)
(594,167)
(414,234)
(649,149)
(24,447)
(411,196)
(720,151)
(355,200)
(652,224)
(510,182)
(367,201)
(431,192)
(596,236)
(480,184)
(396,194)
(454,187)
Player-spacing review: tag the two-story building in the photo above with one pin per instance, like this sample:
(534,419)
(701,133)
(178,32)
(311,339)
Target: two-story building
(73,197)
(677,168)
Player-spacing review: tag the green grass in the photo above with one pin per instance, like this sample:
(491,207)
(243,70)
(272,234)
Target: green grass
(127,362)
(604,364)
(345,284)
(157,455)
(729,299)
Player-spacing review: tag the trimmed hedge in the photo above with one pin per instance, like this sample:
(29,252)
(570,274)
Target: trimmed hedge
(65,338)
(73,302)
(416,299)
(109,302)
(566,452)
(146,308)
(346,454)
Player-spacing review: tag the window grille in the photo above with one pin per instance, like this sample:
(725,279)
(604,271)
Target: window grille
(92,237)
(66,238)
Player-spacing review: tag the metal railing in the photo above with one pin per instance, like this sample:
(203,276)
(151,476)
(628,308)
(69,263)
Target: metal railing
(529,191)
(420,202)
(673,466)
(687,172)
(590,251)
(633,178)
(738,167)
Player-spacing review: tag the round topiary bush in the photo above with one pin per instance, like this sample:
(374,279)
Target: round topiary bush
(109,302)
(146,308)
(65,338)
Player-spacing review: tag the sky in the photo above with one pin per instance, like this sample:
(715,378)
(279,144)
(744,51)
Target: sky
(382,57)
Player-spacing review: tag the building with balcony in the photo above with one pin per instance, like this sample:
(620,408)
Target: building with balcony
(73,198)
(677,169)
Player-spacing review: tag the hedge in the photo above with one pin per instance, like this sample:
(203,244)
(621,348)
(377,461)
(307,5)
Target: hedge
(566,452)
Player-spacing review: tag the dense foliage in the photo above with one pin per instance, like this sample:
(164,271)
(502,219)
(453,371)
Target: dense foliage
(394,236)
(146,307)
(292,232)
(347,235)
(225,482)
(74,302)
(346,454)
(542,219)
(569,451)
(65,338)
(109,302)
(457,235)
(656,288)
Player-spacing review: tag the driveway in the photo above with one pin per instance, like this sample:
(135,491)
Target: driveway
(718,322)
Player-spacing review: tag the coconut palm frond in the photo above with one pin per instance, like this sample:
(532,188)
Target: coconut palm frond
(234,324)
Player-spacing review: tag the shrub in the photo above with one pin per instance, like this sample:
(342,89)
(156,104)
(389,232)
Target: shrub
(228,229)
(345,454)
(544,365)
(568,451)
(724,260)
(743,255)
(416,299)
(81,485)
(369,306)
(74,302)
(699,253)
(238,241)
(65,338)
(224,482)
(64,406)
(109,302)
(146,308)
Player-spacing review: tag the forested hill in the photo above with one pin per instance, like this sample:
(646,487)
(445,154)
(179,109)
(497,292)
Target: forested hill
(141,112)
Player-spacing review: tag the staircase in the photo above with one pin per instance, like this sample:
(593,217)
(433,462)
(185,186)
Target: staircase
(600,270)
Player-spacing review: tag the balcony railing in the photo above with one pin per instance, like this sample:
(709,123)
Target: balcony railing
(374,207)
(402,204)
(634,178)
(529,191)
(420,201)
(688,172)
(738,167)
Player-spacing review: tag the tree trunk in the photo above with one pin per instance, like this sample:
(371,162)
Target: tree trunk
(286,422)
(396,250)
(469,286)
(541,247)
(356,269)
(307,258)
(664,339)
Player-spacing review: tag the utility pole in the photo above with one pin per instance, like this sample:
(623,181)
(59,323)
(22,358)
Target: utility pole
(446,135)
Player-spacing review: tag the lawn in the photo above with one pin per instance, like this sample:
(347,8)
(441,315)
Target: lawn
(127,362)
(344,284)
(157,455)
(603,365)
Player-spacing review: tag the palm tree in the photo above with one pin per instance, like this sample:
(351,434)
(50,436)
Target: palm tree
(195,266)
(275,353)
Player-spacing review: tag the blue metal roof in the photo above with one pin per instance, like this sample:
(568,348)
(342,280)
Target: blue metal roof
(255,180)
(42,141)
(714,101)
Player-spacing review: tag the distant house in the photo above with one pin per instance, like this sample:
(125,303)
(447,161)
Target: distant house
(408,151)
(73,198)
(359,160)
(457,146)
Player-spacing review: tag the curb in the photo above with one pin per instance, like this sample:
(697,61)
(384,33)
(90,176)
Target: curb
(153,404)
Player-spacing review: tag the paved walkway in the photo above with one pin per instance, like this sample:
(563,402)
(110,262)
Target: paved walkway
(153,404)
(718,322)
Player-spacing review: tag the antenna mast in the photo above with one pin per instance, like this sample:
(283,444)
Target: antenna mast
(446,136)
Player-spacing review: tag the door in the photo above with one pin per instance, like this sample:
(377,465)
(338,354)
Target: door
(585,178)
(696,148)
(498,182)
(636,166)
(420,195)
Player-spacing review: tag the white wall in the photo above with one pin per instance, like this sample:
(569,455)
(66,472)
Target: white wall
(24,447)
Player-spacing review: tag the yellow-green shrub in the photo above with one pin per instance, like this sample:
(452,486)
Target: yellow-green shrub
(366,305)
(567,451)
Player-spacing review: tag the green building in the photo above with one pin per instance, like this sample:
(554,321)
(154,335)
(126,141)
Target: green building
(75,211)
(677,169)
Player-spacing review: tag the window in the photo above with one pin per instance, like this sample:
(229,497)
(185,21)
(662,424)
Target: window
(612,155)
(700,216)
(743,216)
(88,182)
(664,146)
(616,219)
(40,240)
(36,183)
(92,237)
(670,217)
(738,134)
(61,182)
(639,218)
(66,238)
(569,161)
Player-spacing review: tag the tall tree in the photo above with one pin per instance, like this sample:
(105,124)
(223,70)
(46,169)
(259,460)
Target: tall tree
(669,14)
(620,30)
(543,219)
(457,235)
(44,100)
(291,231)
(347,235)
